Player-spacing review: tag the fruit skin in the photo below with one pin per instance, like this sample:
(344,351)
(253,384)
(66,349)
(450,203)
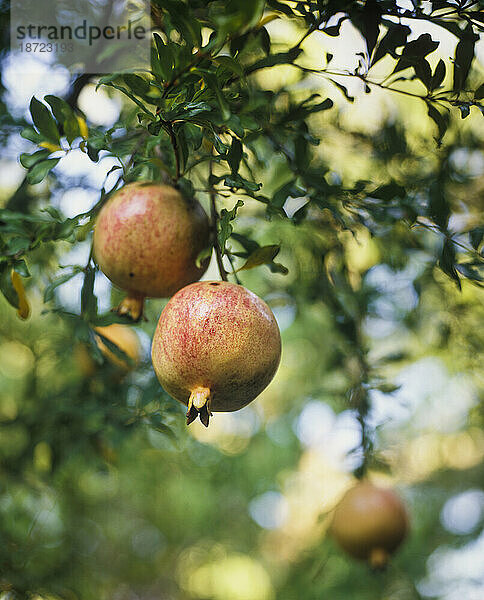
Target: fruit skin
(146,241)
(370,523)
(216,347)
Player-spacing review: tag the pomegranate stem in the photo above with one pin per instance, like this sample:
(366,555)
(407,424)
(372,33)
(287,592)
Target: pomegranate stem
(132,306)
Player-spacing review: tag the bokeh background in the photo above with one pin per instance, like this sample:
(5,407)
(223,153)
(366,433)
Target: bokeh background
(104,493)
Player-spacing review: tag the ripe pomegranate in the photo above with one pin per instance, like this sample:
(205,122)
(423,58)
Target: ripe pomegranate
(146,241)
(370,523)
(216,347)
(125,338)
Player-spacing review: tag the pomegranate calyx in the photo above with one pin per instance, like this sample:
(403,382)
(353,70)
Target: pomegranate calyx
(199,405)
(131,306)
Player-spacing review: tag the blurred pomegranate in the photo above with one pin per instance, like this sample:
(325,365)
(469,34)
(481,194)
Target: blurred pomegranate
(370,523)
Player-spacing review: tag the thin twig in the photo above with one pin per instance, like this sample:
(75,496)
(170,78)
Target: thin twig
(234,272)
(174,143)
(214,217)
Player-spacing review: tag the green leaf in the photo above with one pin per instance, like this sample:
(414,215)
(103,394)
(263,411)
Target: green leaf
(231,16)
(110,318)
(479,93)
(88,299)
(65,116)
(395,37)
(264,255)
(6,286)
(464,55)
(227,62)
(203,255)
(441,119)
(224,227)
(282,194)
(185,22)
(20,266)
(342,89)
(30,134)
(165,57)
(249,245)
(438,76)
(476,236)
(44,121)
(17,245)
(59,107)
(234,155)
(112,347)
(447,261)
(471,271)
(50,289)
(40,170)
(283,58)
(236,181)
(29,160)
(137,84)
(415,50)
(368,23)
(214,85)
(423,71)
(71,128)
(438,208)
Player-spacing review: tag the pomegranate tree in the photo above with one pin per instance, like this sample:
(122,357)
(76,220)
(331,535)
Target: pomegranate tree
(216,347)
(146,241)
(370,523)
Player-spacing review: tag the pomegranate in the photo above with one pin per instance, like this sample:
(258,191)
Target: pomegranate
(146,241)
(216,347)
(125,338)
(370,523)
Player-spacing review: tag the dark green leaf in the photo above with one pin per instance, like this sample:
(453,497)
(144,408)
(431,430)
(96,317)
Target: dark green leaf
(479,93)
(234,155)
(464,55)
(88,299)
(224,227)
(40,170)
(165,57)
(441,119)
(203,255)
(447,261)
(471,271)
(44,121)
(476,236)
(275,59)
(137,84)
(30,134)
(395,37)
(264,255)
(50,289)
(227,62)
(29,160)
(438,76)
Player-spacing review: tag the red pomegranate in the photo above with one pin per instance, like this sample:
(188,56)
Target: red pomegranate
(370,523)
(146,241)
(216,347)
